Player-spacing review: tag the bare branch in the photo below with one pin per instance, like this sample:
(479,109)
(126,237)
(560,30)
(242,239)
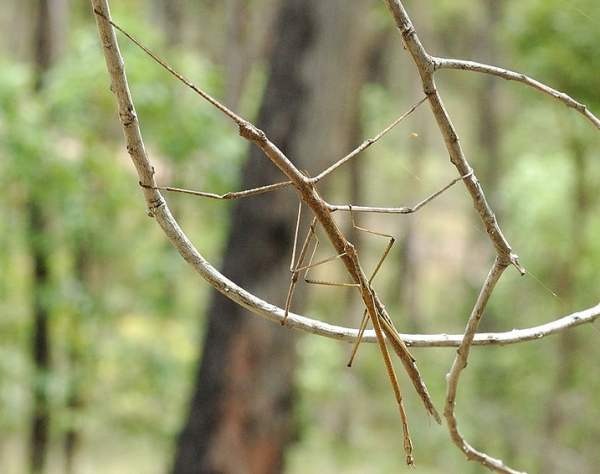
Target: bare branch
(226,196)
(396,210)
(311,325)
(447,63)
(367,143)
(460,362)
(426,68)
(232,115)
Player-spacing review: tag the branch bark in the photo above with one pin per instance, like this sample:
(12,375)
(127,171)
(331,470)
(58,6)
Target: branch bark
(447,63)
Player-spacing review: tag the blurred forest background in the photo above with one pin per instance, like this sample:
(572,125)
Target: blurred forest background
(116,357)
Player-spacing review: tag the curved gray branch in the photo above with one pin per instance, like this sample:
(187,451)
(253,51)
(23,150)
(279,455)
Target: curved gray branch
(266,310)
(446,63)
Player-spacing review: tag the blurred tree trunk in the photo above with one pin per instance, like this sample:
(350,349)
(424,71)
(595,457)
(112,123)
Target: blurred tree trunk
(75,358)
(488,105)
(48,37)
(368,68)
(489,139)
(488,111)
(553,458)
(240,416)
(172,12)
(237,52)
(408,285)
(409,278)
(40,342)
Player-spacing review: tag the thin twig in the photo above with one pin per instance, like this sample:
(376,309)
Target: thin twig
(310,325)
(396,210)
(367,143)
(426,65)
(448,63)
(226,196)
(294,278)
(232,115)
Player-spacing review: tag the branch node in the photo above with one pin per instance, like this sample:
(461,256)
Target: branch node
(153,204)
(128,117)
(407,31)
(514,260)
(250,132)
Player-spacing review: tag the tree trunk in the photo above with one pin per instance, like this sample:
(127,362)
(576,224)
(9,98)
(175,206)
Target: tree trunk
(237,52)
(488,105)
(407,287)
(489,137)
(40,341)
(49,36)
(240,416)
(51,15)
(75,356)
(172,12)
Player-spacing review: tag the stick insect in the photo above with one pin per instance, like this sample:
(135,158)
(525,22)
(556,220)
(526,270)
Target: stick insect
(382,323)
(296,267)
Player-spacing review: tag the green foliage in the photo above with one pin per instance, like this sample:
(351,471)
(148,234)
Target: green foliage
(558,40)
